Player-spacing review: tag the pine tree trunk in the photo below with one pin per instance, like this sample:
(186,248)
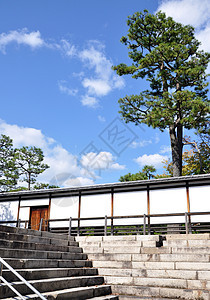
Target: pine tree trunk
(176,148)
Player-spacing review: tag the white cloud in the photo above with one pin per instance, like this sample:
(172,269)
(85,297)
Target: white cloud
(153,159)
(193,12)
(65,169)
(165,149)
(101,119)
(24,136)
(204,37)
(67,48)
(140,144)
(66,90)
(103,80)
(96,87)
(100,161)
(89,101)
(32,39)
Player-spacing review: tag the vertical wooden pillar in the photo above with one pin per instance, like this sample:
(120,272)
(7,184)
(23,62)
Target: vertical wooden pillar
(188,205)
(188,197)
(18,213)
(79,212)
(49,209)
(148,208)
(112,211)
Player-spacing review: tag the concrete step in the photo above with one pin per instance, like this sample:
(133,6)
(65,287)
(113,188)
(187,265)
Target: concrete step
(179,283)
(47,263)
(145,273)
(153,265)
(40,254)
(34,239)
(156,292)
(52,284)
(36,274)
(202,236)
(36,246)
(26,231)
(94,292)
(150,257)
(186,243)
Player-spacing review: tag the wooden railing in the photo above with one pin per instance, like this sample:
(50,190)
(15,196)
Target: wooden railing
(145,224)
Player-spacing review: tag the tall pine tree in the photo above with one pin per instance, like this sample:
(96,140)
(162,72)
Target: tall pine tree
(167,54)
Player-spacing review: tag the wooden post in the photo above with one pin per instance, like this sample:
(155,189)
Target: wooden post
(188,206)
(49,209)
(18,213)
(148,208)
(186,223)
(105,226)
(79,213)
(70,225)
(144,228)
(112,211)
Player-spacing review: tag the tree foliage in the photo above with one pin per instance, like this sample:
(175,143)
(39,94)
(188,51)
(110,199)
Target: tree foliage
(196,160)
(29,161)
(23,164)
(146,173)
(167,54)
(8,171)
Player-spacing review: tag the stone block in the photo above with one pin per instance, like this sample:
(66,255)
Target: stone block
(201,266)
(110,257)
(122,249)
(204,275)
(161,282)
(153,265)
(112,280)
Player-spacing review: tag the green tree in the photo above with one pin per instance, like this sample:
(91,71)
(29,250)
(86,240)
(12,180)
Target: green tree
(44,186)
(8,171)
(145,174)
(167,54)
(29,161)
(195,161)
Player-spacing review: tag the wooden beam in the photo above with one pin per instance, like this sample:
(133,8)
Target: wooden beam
(188,197)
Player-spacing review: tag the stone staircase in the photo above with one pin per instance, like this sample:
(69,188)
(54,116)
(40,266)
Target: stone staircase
(54,264)
(153,267)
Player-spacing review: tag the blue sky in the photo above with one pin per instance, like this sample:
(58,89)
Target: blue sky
(58,91)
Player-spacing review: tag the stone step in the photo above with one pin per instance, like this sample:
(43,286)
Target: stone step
(52,284)
(26,231)
(117,238)
(34,239)
(47,263)
(145,273)
(150,257)
(150,265)
(186,243)
(94,292)
(202,236)
(40,254)
(158,282)
(156,292)
(190,250)
(36,246)
(36,274)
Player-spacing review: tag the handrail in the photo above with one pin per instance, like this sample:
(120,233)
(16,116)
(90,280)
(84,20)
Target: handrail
(2,261)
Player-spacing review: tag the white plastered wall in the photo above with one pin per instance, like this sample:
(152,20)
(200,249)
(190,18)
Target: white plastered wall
(8,211)
(64,208)
(200,202)
(128,204)
(95,206)
(168,201)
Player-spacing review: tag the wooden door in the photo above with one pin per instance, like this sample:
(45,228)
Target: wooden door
(36,214)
